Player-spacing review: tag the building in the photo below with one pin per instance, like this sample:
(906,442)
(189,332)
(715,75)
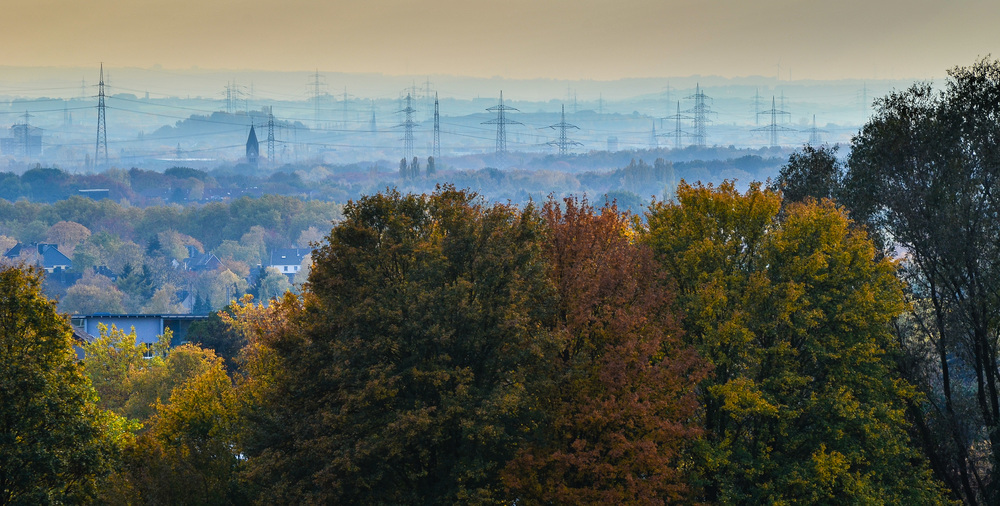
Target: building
(25,141)
(253,148)
(289,260)
(148,327)
(46,256)
(197,261)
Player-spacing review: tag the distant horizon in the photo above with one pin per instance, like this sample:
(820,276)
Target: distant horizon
(576,40)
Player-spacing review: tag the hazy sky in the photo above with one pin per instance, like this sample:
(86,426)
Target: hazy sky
(561,39)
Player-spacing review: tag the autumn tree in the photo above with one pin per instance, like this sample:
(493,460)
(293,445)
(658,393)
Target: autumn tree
(810,172)
(56,445)
(805,404)
(189,455)
(113,358)
(67,234)
(93,293)
(924,176)
(620,405)
(406,383)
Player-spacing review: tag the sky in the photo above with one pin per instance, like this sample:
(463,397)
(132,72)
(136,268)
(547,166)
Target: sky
(513,39)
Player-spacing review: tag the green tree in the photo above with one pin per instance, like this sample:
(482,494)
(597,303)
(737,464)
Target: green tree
(93,293)
(924,176)
(113,357)
(810,172)
(795,315)
(56,445)
(163,301)
(190,453)
(407,381)
(273,284)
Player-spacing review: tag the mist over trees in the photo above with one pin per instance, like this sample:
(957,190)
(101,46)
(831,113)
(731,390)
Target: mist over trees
(827,337)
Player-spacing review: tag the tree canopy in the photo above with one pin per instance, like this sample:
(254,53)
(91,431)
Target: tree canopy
(795,315)
(55,443)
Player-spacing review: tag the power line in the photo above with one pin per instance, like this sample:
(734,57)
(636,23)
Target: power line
(436,148)
(700,111)
(756,107)
(814,137)
(564,142)
(678,133)
(270,136)
(774,127)
(408,125)
(102,131)
(316,94)
(501,122)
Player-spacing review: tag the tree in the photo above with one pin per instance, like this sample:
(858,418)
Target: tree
(924,177)
(415,168)
(431,169)
(190,453)
(67,234)
(112,358)
(93,293)
(215,334)
(273,284)
(805,404)
(810,172)
(619,396)
(404,172)
(406,382)
(55,443)
(163,301)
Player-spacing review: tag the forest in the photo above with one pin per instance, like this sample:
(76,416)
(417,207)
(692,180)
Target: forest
(828,337)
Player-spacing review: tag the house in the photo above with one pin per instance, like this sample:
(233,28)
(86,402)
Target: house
(148,327)
(46,256)
(289,260)
(201,261)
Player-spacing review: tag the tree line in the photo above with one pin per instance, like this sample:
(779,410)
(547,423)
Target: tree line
(829,338)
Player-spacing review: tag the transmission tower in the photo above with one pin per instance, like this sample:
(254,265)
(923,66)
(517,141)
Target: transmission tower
(700,113)
(436,148)
(784,119)
(666,95)
(774,127)
(102,134)
(501,122)
(316,83)
(408,125)
(678,133)
(345,108)
(756,107)
(814,137)
(654,143)
(372,126)
(564,142)
(24,132)
(270,136)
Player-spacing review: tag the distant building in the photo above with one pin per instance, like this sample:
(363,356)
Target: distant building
(25,141)
(253,148)
(289,260)
(46,256)
(148,327)
(612,144)
(201,261)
